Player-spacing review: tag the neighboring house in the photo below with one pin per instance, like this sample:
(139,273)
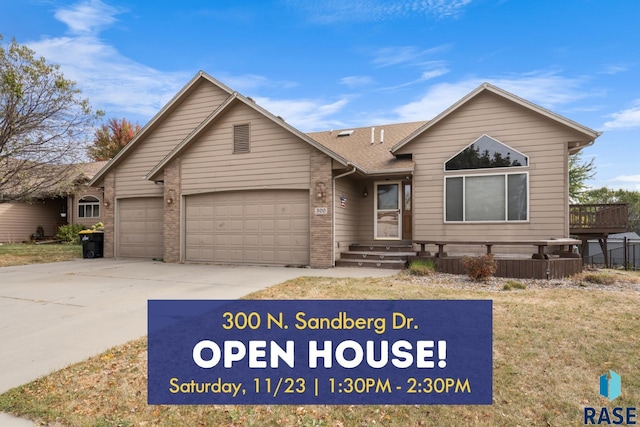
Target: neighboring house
(85,205)
(213,177)
(19,221)
(616,250)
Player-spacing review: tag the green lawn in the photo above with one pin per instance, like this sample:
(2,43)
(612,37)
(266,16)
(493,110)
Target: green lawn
(27,253)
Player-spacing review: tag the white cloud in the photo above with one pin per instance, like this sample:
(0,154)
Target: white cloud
(356,81)
(615,69)
(627,178)
(395,55)
(305,114)
(111,81)
(625,182)
(438,98)
(330,11)
(625,119)
(545,89)
(88,17)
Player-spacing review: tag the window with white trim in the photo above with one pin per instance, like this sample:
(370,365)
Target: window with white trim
(89,207)
(478,198)
(488,197)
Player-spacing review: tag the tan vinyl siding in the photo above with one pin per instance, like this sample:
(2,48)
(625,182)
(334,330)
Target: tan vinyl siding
(354,222)
(130,174)
(276,159)
(365,220)
(347,218)
(19,220)
(542,140)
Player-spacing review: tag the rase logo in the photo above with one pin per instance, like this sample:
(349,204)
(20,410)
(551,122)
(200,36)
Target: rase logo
(610,385)
(611,388)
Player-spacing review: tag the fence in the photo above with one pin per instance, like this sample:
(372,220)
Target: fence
(623,253)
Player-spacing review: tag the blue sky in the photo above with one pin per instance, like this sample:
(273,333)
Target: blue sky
(331,64)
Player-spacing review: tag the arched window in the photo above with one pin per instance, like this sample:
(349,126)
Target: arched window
(89,207)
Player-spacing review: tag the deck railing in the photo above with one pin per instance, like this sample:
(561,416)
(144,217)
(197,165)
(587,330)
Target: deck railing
(599,218)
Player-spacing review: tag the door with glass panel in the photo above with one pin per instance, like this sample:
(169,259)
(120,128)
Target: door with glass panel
(388,208)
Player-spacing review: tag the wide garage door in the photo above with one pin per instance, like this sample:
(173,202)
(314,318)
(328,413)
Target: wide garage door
(140,227)
(249,227)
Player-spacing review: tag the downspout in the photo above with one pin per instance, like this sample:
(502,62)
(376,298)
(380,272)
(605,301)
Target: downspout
(333,211)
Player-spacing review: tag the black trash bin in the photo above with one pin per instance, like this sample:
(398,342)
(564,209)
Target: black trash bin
(92,243)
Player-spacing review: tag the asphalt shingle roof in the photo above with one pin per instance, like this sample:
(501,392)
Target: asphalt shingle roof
(358,149)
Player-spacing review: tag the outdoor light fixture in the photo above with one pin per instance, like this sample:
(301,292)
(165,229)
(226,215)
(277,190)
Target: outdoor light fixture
(170,197)
(107,203)
(321,191)
(365,193)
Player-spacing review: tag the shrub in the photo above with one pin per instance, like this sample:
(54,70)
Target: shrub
(513,284)
(481,267)
(599,278)
(422,267)
(69,233)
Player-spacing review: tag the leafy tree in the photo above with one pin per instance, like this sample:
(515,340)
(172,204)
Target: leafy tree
(580,172)
(111,137)
(607,195)
(44,126)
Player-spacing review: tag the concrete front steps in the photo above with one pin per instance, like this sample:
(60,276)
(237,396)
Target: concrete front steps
(377,255)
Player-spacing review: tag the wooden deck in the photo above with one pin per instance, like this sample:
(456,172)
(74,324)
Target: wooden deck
(541,244)
(563,262)
(594,220)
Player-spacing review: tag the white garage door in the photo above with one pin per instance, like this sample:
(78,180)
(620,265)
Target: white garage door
(140,227)
(249,227)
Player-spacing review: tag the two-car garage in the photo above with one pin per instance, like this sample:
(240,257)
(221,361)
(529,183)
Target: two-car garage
(268,227)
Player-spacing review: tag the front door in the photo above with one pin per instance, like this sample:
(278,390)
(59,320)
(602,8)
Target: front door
(388,220)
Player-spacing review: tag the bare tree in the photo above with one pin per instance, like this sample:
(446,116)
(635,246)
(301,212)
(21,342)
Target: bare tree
(45,126)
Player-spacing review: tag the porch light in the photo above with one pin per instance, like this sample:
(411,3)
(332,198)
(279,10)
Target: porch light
(365,193)
(321,191)
(171,196)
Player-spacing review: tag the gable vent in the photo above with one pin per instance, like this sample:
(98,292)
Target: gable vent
(240,139)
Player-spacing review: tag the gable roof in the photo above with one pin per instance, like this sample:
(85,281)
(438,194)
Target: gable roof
(152,124)
(234,98)
(370,158)
(574,146)
(353,150)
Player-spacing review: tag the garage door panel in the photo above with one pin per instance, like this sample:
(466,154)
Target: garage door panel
(140,228)
(253,227)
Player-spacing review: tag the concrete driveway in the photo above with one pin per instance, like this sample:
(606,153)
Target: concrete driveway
(52,315)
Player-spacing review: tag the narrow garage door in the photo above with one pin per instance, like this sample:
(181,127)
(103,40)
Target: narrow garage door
(140,228)
(249,227)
